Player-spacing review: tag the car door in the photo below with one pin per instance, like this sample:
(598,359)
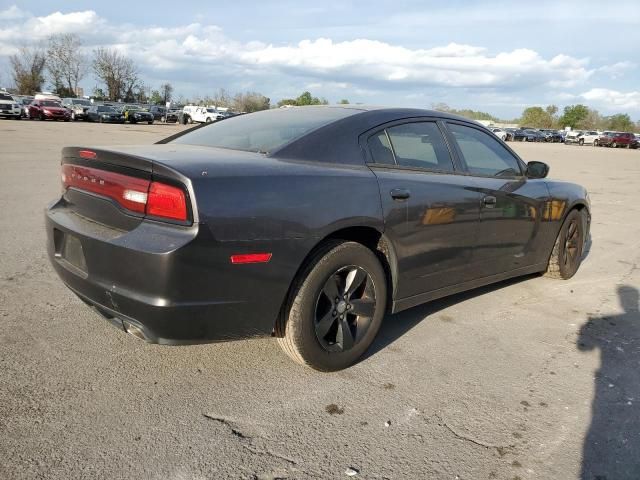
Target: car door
(512,206)
(430,210)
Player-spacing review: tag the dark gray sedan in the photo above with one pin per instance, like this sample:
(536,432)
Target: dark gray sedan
(308,224)
(103,114)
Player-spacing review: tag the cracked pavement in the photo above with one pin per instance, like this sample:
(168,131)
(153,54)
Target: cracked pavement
(527,379)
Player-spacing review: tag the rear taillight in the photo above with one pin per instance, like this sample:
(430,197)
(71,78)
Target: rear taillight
(167,202)
(134,194)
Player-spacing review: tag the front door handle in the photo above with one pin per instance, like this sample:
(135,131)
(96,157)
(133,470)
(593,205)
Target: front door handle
(489,201)
(400,193)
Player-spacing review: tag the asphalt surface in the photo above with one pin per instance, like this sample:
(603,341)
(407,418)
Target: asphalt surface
(529,379)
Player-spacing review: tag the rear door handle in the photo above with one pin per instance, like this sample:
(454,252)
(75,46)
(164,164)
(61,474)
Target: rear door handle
(400,193)
(489,201)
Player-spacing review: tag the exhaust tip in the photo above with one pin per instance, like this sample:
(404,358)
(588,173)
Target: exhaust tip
(134,330)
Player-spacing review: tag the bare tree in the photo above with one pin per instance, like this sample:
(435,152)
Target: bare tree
(250,102)
(222,98)
(118,72)
(166,90)
(27,69)
(66,63)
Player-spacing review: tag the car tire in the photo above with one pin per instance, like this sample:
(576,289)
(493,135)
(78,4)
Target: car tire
(581,142)
(150,123)
(42,117)
(614,145)
(595,143)
(163,120)
(566,255)
(320,332)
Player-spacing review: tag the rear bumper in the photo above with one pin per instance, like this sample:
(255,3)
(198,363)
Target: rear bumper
(170,282)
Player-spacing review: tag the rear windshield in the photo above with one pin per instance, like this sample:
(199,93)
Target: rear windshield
(264,131)
(49,103)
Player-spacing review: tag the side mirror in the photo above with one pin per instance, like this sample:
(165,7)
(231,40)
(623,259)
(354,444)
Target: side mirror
(537,170)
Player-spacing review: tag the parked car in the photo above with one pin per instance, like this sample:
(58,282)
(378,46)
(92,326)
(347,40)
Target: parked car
(307,223)
(605,139)
(172,115)
(135,114)
(24,101)
(158,112)
(48,110)
(551,135)
(531,135)
(623,139)
(9,107)
(78,107)
(104,114)
(573,136)
(194,113)
(515,134)
(500,133)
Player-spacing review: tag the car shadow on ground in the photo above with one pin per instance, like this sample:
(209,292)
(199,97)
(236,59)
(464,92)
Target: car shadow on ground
(396,325)
(612,445)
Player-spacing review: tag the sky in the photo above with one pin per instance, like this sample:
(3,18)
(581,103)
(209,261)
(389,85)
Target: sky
(494,56)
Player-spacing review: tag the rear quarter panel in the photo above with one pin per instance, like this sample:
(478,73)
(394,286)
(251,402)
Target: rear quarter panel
(285,211)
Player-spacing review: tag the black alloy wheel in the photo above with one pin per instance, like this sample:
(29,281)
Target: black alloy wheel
(572,244)
(344,309)
(335,307)
(566,256)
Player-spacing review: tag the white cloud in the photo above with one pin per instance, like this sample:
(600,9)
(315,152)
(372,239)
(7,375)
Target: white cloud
(12,13)
(617,70)
(202,57)
(613,99)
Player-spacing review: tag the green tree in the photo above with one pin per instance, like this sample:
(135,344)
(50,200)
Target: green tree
(98,94)
(620,122)
(156,98)
(574,116)
(344,101)
(536,117)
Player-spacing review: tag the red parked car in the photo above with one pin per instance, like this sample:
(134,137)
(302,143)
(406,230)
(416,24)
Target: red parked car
(48,110)
(627,140)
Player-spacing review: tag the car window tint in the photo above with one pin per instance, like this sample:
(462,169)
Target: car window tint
(380,149)
(264,131)
(420,145)
(483,154)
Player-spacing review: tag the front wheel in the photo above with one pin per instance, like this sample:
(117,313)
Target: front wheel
(566,255)
(595,143)
(581,142)
(336,308)
(614,145)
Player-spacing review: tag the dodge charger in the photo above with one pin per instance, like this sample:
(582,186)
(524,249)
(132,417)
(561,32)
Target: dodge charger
(308,224)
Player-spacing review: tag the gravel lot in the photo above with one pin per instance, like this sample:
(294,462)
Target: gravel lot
(528,379)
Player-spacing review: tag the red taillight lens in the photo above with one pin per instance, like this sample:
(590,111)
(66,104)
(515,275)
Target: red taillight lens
(167,202)
(130,192)
(134,194)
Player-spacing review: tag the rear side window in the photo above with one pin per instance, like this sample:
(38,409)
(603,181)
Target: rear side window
(483,154)
(380,149)
(418,144)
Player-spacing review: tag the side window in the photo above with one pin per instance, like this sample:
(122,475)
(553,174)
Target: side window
(421,145)
(483,154)
(381,149)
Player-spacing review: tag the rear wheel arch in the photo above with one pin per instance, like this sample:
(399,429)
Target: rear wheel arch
(368,236)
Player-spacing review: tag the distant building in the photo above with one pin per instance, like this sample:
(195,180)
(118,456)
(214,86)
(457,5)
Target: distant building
(79,92)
